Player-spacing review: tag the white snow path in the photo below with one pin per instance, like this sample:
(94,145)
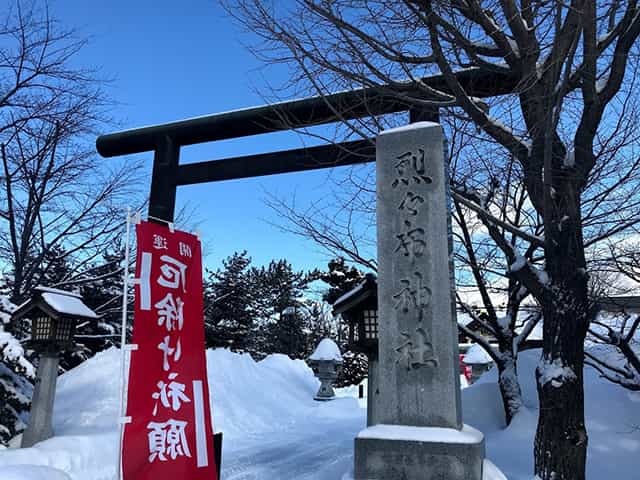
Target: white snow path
(311,452)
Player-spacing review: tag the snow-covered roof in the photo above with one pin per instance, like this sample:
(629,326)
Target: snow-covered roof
(464,318)
(477,354)
(535,334)
(623,302)
(365,289)
(55,302)
(354,291)
(41,288)
(68,304)
(326,350)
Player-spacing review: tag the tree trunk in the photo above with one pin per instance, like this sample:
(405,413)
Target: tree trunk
(509,385)
(561,437)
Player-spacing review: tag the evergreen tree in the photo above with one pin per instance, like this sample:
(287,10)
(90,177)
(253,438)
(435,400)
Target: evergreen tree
(229,303)
(278,287)
(16,377)
(281,309)
(288,334)
(101,288)
(341,278)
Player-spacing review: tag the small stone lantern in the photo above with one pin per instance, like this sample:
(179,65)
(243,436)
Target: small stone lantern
(359,307)
(54,315)
(479,361)
(326,362)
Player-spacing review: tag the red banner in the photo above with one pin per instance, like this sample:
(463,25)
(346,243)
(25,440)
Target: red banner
(170,435)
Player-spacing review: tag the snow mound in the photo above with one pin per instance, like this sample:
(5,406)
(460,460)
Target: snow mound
(326,350)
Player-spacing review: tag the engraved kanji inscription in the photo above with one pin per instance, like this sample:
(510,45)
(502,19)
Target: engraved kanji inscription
(410,203)
(413,294)
(415,350)
(411,242)
(411,167)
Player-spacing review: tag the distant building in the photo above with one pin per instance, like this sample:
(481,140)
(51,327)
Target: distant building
(472,324)
(627,303)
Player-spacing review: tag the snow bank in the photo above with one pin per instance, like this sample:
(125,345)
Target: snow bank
(491,472)
(261,407)
(29,472)
(614,438)
(326,350)
(273,428)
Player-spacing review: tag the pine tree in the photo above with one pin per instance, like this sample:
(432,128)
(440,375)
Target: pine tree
(101,289)
(281,308)
(278,287)
(16,377)
(229,303)
(340,278)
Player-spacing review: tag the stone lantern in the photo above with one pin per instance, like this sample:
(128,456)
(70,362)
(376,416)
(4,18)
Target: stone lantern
(359,308)
(479,361)
(326,362)
(54,315)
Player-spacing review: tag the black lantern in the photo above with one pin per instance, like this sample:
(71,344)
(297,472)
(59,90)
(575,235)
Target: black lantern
(359,307)
(54,315)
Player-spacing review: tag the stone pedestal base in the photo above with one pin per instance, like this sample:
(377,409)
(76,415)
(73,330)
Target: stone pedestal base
(396,452)
(326,390)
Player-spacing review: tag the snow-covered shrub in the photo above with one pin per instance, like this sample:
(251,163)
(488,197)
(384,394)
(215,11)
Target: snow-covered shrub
(16,375)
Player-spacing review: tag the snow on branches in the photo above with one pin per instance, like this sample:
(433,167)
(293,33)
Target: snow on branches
(16,375)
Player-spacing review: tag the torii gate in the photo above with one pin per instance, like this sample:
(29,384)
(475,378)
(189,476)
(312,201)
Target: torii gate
(165,140)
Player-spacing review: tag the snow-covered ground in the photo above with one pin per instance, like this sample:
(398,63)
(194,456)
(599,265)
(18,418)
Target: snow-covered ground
(273,428)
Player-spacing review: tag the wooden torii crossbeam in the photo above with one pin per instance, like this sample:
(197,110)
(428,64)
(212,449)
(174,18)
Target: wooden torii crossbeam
(165,140)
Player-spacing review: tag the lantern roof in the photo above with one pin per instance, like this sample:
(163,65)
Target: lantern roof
(56,304)
(326,350)
(365,291)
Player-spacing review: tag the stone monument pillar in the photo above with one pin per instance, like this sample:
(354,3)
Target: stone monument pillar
(419,433)
(372,390)
(44,393)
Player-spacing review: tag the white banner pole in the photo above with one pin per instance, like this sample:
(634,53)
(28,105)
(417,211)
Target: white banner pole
(123,342)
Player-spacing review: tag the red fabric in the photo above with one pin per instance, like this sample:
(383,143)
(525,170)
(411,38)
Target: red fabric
(168,436)
(464,368)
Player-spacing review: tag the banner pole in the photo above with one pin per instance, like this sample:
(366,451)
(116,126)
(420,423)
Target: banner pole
(123,342)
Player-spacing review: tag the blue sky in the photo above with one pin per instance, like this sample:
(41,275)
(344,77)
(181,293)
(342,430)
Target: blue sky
(177,59)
